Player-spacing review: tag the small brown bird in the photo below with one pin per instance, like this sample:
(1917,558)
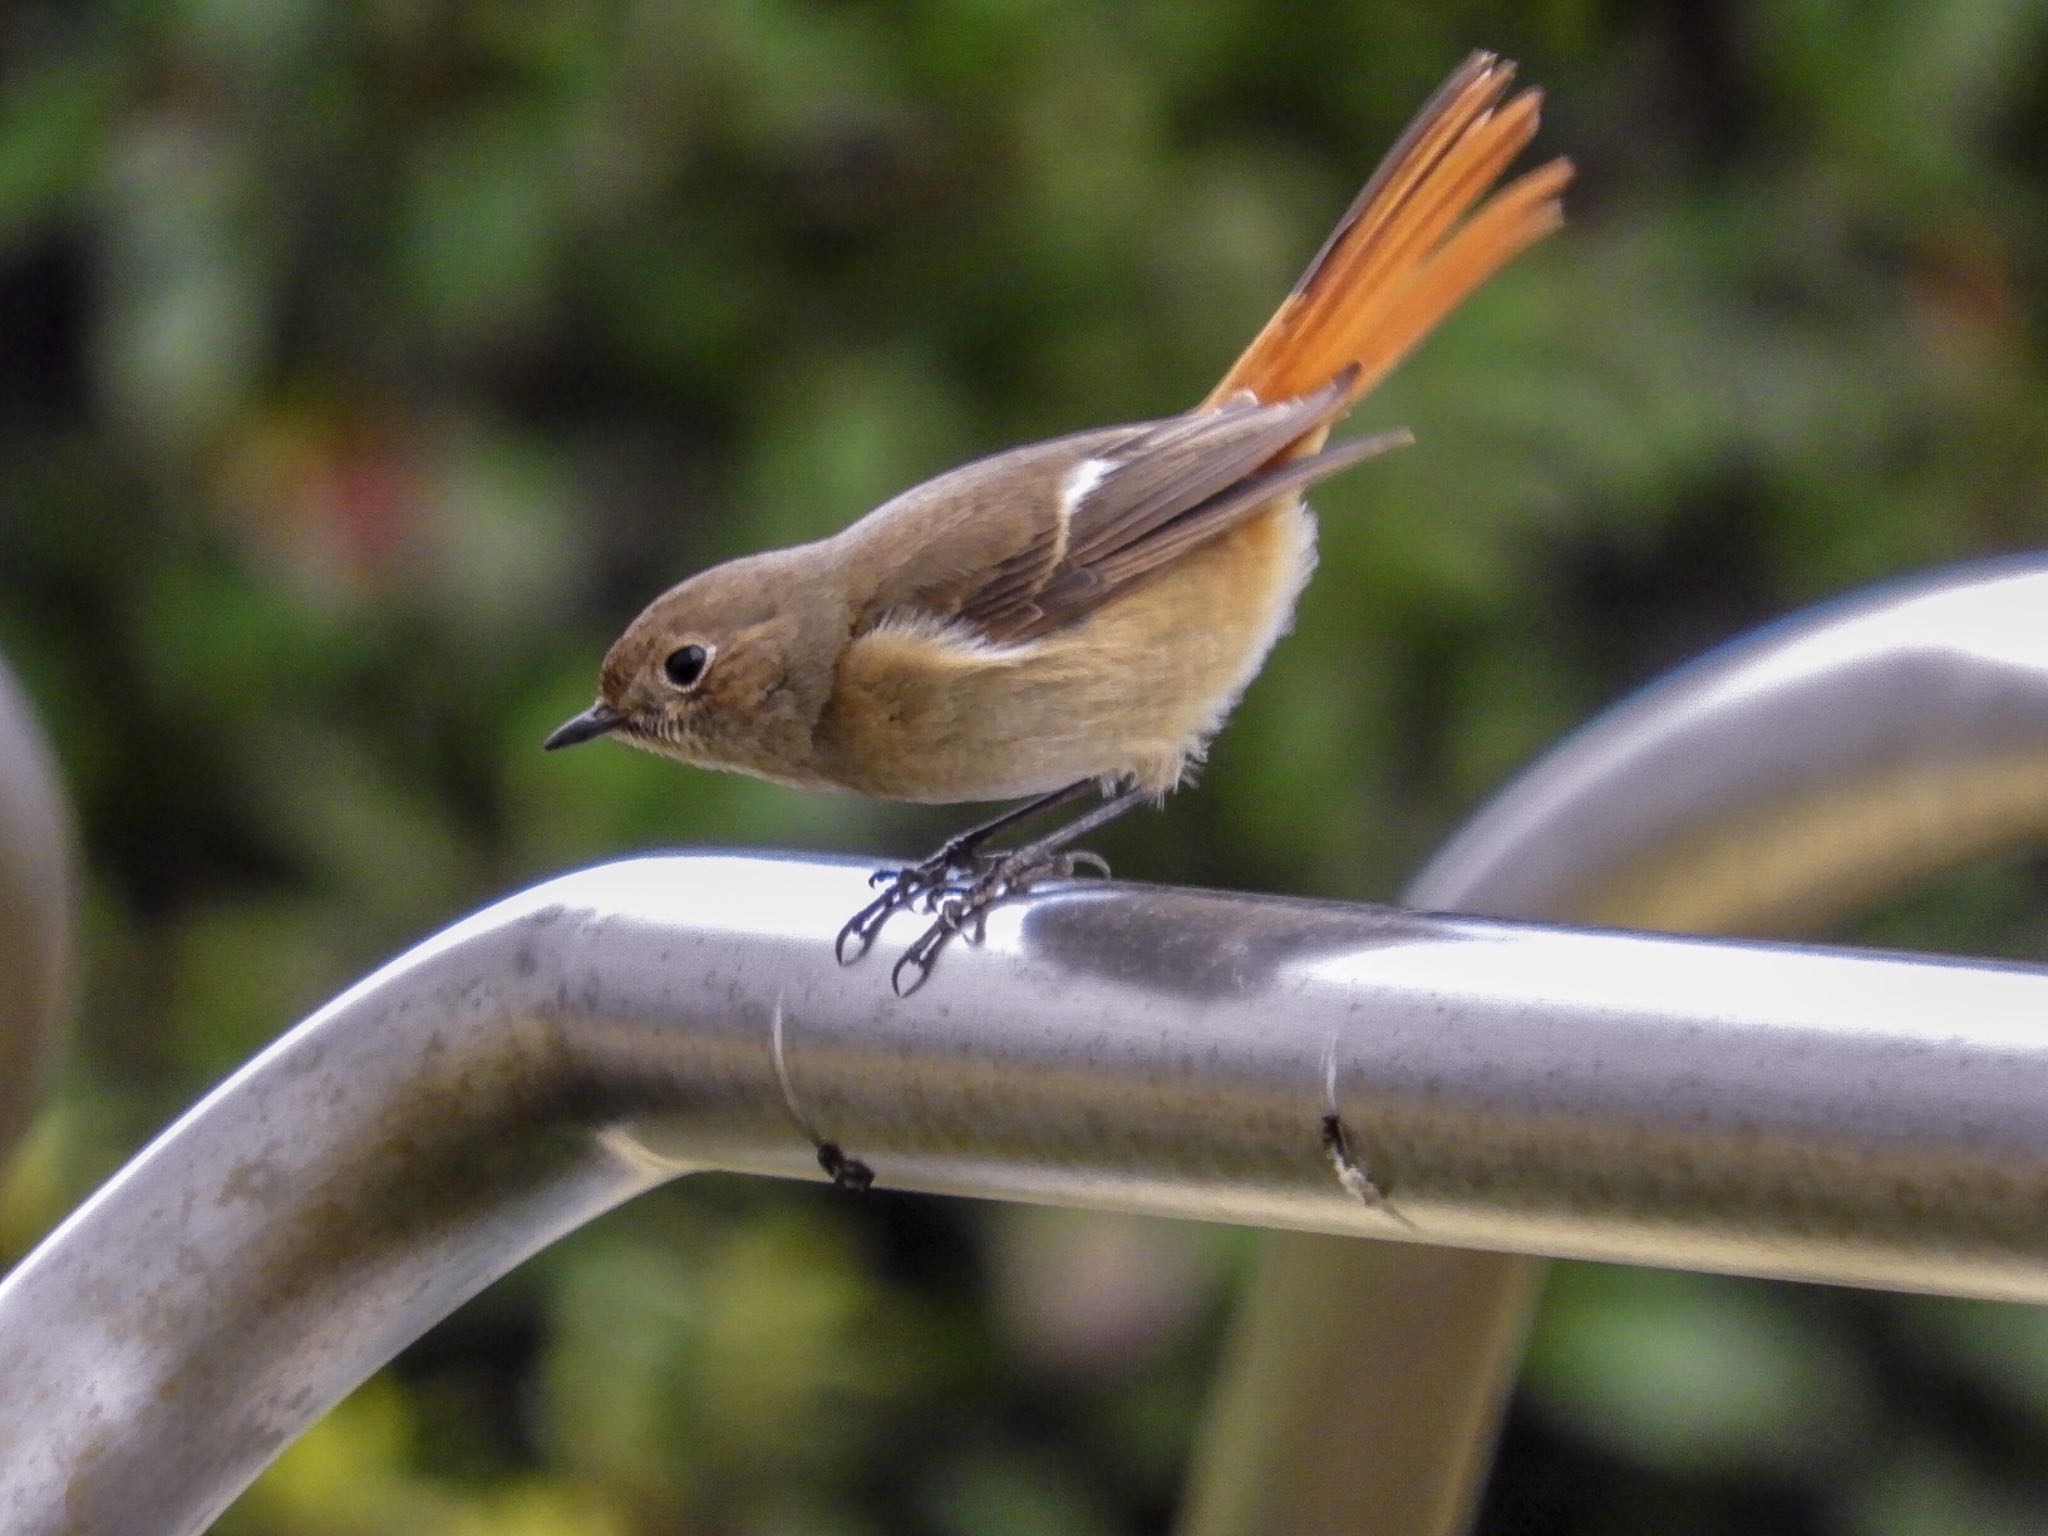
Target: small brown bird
(1077,615)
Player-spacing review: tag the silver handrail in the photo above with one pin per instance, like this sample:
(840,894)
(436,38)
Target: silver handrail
(36,895)
(1875,1119)
(1773,786)
(1870,1119)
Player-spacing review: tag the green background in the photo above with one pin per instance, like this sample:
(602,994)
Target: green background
(364,367)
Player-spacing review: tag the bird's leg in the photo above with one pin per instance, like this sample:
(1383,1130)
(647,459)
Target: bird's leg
(960,854)
(962,909)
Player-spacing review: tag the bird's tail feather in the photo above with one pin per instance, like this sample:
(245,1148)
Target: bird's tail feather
(1421,236)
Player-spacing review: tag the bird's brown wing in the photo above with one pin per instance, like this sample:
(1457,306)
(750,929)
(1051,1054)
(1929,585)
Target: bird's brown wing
(1144,500)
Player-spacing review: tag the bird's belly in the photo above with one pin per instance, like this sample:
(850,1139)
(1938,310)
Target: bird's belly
(1132,691)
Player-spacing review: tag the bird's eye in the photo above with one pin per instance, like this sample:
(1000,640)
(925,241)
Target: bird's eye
(685,665)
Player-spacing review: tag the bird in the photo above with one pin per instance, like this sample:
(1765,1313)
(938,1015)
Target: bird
(1075,619)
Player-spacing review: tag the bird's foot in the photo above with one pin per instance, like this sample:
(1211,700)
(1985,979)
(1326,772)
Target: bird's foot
(960,907)
(913,885)
(959,883)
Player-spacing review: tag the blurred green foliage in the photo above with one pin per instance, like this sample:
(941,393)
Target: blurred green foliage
(363,368)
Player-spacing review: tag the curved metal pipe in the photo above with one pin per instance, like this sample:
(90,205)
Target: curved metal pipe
(1775,785)
(1790,778)
(36,893)
(1867,1118)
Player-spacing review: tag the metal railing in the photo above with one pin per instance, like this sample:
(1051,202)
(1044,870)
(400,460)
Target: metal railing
(36,895)
(1826,1115)
(1774,786)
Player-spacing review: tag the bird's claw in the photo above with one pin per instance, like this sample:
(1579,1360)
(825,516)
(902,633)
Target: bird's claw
(917,961)
(855,928)
(911,887)
(863,926)
(955,888)
(958,916)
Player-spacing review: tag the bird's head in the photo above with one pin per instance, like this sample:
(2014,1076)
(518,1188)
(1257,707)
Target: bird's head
(726,670)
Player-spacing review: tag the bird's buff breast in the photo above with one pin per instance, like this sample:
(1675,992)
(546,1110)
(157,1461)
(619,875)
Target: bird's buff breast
(923,711)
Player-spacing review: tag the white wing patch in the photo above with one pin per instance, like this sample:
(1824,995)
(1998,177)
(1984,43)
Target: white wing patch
(944,640)
(1080,484)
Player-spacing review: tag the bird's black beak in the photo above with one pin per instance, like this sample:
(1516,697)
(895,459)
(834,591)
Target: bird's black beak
(598,720)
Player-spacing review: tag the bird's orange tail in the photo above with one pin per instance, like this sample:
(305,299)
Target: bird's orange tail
(1420,237)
